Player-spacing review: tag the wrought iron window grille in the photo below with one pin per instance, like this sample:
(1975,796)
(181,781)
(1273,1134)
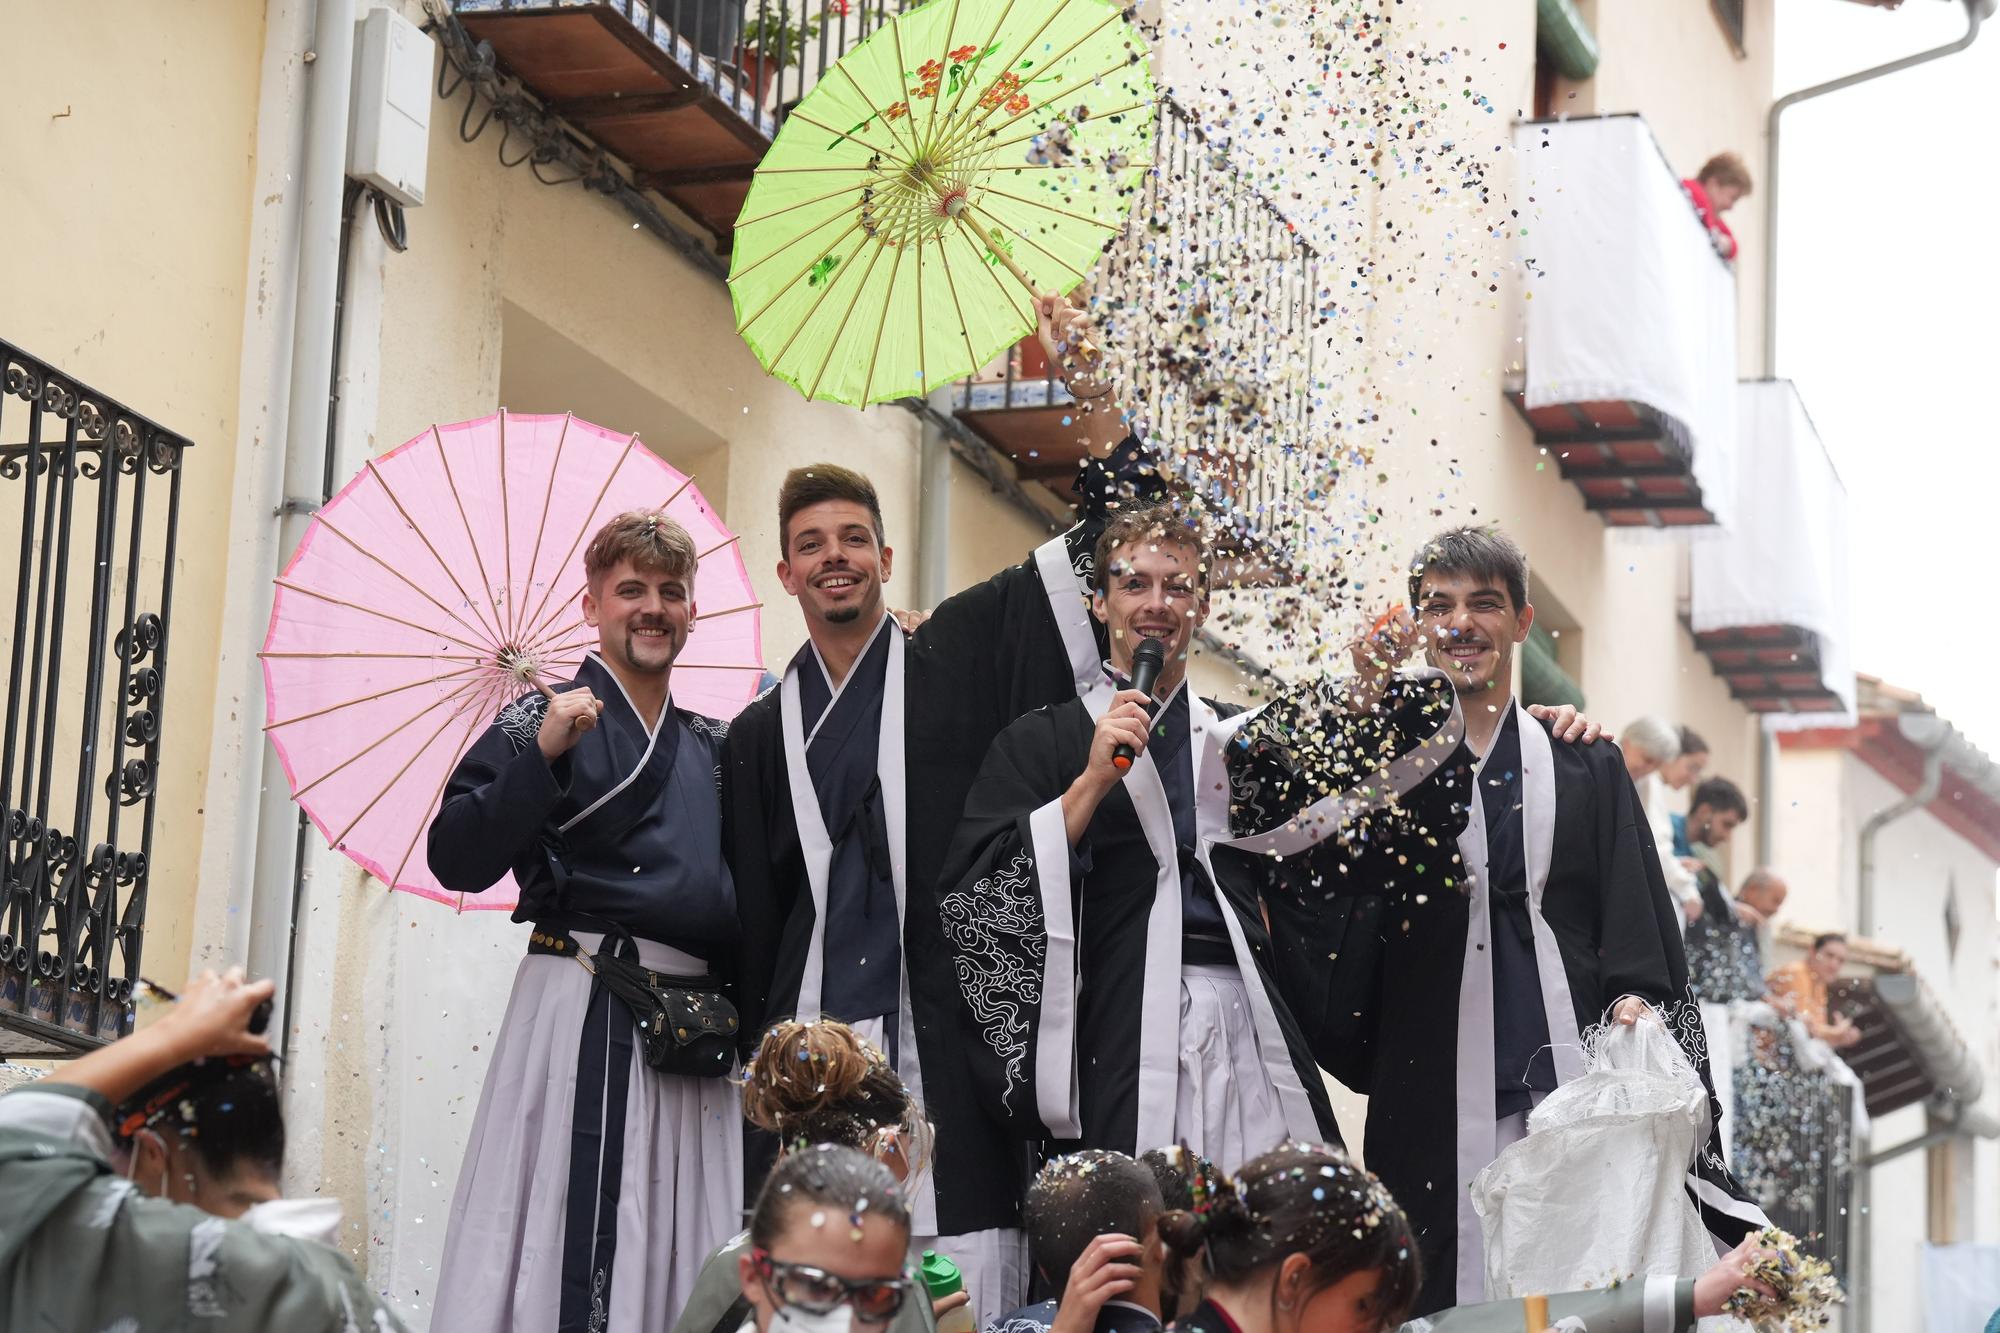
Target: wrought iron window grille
(85,638)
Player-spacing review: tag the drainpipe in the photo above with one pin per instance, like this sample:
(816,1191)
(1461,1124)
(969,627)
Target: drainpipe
(1976,13)
(933,514)
(305,442)
(1933,735)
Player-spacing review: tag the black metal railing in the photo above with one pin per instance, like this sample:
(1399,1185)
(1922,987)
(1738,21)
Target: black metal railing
(1208,298)
(758,57)
(90,506)
(1792,1144)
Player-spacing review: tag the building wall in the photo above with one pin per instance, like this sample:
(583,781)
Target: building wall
(1918,861)
(1444,343)
(126,223)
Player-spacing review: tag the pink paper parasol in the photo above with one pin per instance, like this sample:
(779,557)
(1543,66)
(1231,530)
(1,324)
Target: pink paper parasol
(442,583)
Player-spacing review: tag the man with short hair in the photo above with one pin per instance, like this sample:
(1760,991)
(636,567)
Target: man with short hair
(1091,1219)
(1724,957)
(1551,919)
(602,797)
(1801,988)
(1717,810)
(1721,184)
(98,1159)
(843,786)
(1151,1016)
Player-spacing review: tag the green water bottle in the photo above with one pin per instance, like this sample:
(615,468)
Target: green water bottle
(942,1279)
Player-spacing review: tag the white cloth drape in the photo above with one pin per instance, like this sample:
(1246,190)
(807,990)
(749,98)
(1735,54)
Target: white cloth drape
(1784,561)
(1630,300)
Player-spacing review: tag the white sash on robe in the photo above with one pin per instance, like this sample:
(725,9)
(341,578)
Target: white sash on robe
(1477,1123)
(816,845)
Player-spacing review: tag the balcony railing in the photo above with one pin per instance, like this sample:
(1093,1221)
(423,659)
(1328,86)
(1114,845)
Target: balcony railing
(89,507)
(1768,597)
(1630,326)
(1208,298)
(1792,1127)
(688,92)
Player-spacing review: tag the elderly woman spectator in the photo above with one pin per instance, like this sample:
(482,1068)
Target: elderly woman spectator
(1652,747)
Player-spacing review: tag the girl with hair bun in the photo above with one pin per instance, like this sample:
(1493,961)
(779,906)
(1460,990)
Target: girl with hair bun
(1302,1241)
(820,1082)
(812,1086)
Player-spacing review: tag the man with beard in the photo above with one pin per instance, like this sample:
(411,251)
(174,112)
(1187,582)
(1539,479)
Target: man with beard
(602,798)
(843,785)
(1487,966)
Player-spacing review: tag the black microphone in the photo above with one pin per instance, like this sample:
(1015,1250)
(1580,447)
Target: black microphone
(1147,660)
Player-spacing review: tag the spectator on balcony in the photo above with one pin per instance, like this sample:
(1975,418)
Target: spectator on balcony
(1724,951)
(1723,183)
(1716,812)
(1650,747)
(97,1233)
(1800,989)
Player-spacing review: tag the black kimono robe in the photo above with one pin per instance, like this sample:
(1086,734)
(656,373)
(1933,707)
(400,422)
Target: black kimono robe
(574,831)
(1022,639)
(1602,927)
(1070,969)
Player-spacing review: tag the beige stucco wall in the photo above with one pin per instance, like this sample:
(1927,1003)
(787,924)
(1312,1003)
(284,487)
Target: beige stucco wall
(1824,797)
(125,166)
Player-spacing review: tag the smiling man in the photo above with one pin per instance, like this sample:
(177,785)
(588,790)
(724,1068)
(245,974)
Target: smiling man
(843,786)
(1118,995)
(595,1184)
(1552,918)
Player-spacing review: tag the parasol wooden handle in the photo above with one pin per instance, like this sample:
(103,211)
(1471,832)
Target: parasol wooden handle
(1535,1314)
(982,238)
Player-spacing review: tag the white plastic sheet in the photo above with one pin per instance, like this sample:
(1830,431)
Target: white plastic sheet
(1630,300)
(1594,1194)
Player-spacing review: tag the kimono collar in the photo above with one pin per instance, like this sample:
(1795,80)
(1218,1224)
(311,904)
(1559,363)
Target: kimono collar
(593,665)
(1119,680)
(811,650)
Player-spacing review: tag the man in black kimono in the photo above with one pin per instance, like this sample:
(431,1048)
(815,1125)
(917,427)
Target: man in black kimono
(843,784)
(1485,966)
(1115,998)
(594,1187)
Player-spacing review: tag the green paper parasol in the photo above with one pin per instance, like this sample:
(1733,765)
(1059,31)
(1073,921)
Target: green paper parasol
(966,155)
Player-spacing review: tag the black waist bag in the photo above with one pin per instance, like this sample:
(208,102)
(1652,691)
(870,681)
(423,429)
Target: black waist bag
(687,1026)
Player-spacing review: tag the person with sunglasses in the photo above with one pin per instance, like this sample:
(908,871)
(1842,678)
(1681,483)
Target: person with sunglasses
(829,1244)
(811,1084)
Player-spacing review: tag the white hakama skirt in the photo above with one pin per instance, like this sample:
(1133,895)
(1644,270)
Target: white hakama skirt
(593,1188)
(1225,1108)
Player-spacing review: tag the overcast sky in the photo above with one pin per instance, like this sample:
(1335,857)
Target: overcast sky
(1889,321)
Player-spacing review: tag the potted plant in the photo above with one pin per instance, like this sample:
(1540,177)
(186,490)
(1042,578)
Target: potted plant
(773,40)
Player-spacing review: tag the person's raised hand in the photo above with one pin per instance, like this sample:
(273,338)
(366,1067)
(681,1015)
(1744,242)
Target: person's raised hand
(1747,914)
(1107,1269)
(1630,1009)
(569,715)
(1730,1274)
(1065,335)
(212,1017)
(1692,910)
(1126,722)
(1377,654)
(911,621)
